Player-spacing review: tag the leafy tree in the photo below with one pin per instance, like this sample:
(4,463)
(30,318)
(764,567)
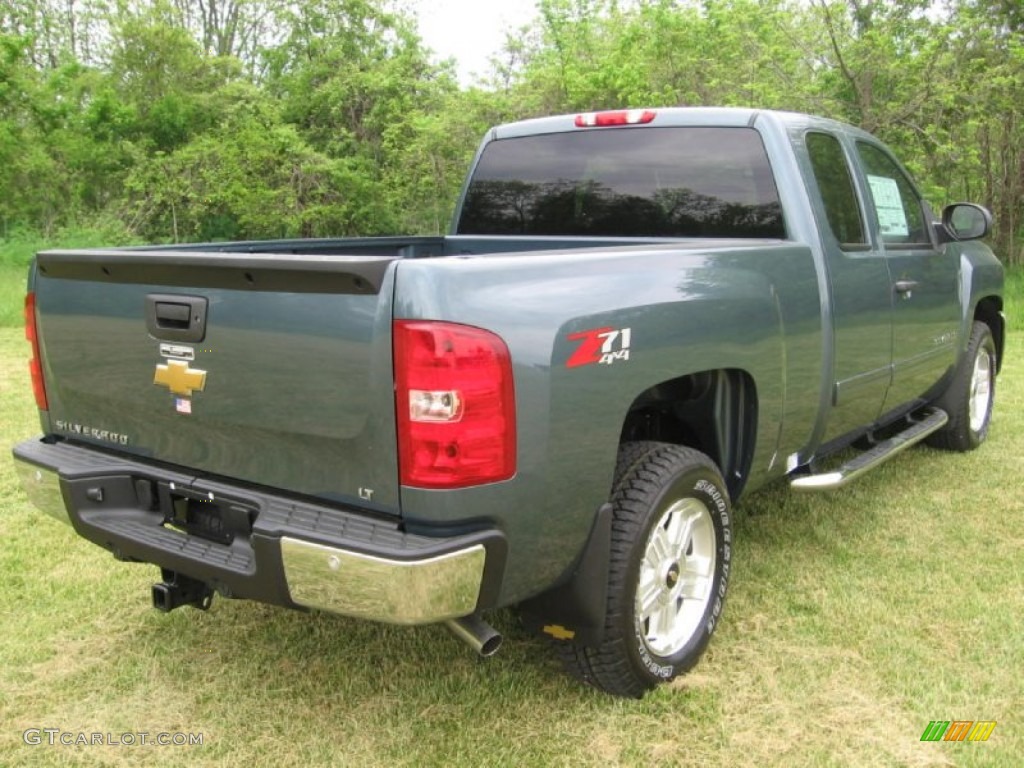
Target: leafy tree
(250,118)
(29,176)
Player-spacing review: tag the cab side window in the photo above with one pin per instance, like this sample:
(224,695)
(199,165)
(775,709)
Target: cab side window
(901,219)
(835,184)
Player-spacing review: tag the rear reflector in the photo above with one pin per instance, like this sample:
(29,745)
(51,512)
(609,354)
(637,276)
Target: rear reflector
(618,117)
(455,405)
(35,363)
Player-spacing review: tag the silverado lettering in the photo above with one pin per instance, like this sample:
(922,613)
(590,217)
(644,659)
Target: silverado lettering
(104,435)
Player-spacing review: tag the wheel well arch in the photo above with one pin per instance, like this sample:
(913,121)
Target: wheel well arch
(989,311)
(713,411)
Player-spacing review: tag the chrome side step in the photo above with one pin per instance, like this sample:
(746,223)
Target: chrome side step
(931,420)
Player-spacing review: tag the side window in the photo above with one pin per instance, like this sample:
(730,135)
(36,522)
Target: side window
(901,219)
(836,186)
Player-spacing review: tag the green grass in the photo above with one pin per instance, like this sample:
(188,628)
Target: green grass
(12,295)
(1015,298)
(853,620)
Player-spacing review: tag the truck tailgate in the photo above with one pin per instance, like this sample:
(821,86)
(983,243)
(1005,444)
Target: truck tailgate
(274,370)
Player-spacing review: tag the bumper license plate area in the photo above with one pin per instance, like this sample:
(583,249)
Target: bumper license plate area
(204,515)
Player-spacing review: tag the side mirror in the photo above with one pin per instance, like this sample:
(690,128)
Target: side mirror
(966,221)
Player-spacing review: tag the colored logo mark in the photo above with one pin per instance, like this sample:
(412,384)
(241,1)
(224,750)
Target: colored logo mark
(179,378)
(958,730)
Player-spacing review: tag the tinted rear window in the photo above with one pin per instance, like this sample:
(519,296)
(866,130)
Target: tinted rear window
(652,182)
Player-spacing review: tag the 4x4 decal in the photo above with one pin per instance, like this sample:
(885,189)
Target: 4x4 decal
(599,345)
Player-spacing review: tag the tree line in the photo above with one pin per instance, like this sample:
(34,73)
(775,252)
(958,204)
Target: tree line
(178,120)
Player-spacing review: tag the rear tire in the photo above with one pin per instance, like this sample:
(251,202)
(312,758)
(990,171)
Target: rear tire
(969,398)
(668,571)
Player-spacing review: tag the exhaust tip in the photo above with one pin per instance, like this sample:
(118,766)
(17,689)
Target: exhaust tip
(491,644)
(477,634)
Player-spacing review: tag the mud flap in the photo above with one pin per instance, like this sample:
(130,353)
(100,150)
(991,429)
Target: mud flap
(575,609)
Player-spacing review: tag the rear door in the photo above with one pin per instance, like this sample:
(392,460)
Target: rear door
(861,290)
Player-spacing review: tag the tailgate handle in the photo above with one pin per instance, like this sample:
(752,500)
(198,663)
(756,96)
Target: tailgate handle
(171,317)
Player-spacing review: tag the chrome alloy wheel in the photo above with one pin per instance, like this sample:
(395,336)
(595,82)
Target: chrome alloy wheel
(676,572)
(981,390)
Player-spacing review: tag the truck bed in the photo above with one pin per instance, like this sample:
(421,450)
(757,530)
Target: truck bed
(295,348)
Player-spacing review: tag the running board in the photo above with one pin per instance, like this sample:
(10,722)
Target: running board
(931,420)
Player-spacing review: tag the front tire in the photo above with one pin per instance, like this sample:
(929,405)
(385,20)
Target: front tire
(969,398)
(668,574)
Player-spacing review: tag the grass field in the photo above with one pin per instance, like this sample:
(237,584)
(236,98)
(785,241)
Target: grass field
(853,620)
(12,295)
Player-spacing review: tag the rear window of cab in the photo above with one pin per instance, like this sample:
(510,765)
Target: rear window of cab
(626,182)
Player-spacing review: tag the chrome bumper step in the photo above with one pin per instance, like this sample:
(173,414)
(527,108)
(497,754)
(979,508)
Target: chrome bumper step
(928,422)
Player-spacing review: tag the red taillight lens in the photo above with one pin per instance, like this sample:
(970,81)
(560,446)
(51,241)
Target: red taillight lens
(617,117)
(456,405)
(35,363)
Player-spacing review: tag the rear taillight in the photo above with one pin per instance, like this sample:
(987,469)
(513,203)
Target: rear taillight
(456,405)
(616,117)
(35,363)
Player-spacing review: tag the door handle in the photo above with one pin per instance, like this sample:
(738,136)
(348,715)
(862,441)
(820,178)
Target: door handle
(905,287)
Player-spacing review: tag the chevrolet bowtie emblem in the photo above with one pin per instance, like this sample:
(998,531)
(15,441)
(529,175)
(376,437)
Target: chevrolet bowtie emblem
(179,378)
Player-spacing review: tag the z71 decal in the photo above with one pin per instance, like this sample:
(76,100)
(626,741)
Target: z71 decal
(599,345)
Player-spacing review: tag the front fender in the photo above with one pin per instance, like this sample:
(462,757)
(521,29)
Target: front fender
(981,294)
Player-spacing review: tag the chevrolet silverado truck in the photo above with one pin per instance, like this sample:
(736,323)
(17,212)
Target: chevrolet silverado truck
(638,316)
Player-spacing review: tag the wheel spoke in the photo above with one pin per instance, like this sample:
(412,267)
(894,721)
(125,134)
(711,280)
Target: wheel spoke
(664,619)
(697,576)
(659,548)
(698,566)
(680,528)
(648,592)
(694,587)
(651,560)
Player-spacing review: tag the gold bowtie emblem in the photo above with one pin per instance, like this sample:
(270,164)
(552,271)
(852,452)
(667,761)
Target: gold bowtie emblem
(179,378)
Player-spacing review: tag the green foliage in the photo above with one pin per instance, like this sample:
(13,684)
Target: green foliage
(254,118)
(18,248)
(251,176)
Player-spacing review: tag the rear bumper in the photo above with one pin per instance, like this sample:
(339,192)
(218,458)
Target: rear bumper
(284,551)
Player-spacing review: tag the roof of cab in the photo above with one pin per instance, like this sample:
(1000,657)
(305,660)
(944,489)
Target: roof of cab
(676,116)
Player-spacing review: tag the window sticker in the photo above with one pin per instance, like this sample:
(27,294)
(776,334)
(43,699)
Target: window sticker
(892,219)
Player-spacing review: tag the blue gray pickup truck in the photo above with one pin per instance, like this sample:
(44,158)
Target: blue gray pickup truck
(638,316)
